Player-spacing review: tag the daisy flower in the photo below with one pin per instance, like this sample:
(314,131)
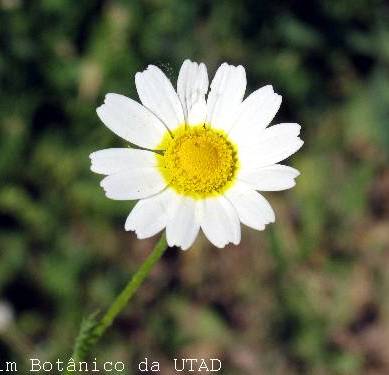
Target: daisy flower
(201,161)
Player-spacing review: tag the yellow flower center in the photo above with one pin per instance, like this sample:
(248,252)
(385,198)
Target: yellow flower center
(197,161)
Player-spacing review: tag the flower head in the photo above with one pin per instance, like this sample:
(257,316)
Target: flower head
(201,161)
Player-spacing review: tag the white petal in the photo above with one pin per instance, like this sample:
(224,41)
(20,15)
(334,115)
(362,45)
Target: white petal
(219,221)
(131,121)
(271,178)
(227,91)
(269,146)
(198,113)
(256,111)
(149,216)
(133,184)
(113,160)
(192,86)
(183,224)
(253,209)
(158,95)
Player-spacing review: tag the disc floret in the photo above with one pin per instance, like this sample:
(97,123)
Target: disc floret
(198,161)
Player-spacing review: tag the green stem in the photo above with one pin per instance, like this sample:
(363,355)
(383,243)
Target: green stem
(123,298)
(93,329)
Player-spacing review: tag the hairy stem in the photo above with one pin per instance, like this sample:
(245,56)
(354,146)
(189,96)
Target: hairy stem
(93,328)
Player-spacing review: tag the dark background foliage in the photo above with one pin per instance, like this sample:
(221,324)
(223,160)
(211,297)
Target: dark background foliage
(307,296)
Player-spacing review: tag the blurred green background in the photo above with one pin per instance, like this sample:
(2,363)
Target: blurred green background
(310,295)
